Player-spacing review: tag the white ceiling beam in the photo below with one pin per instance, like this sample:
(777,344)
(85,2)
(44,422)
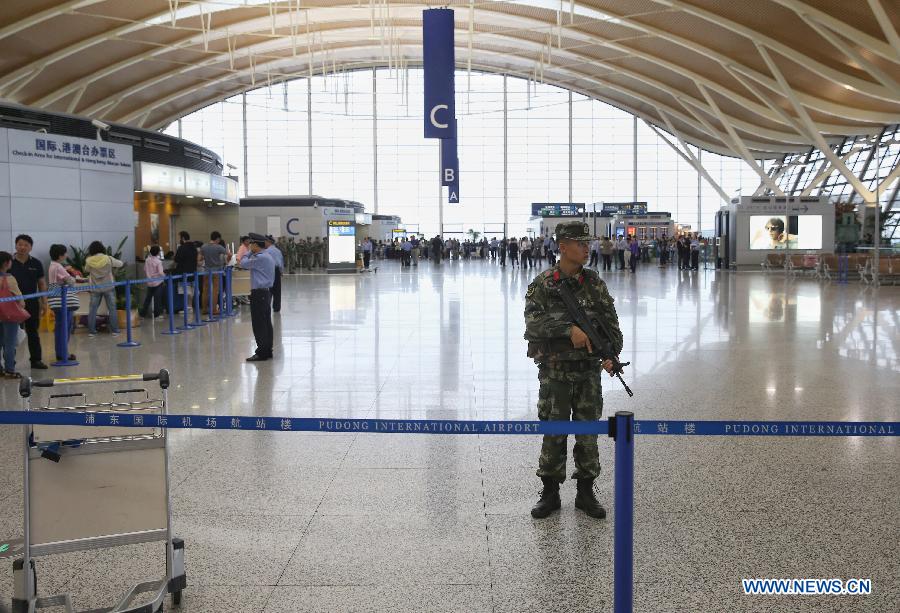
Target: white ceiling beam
(597,80)
(320,16)
(890,33)
(873,44)
(807,62)
(74,48)
(280,44)
(737,144)
(886,182)
(846,47)
(813,130)
(687,155)
(41,16)
(754,89)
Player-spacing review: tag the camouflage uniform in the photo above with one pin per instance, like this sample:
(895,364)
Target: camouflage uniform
(316,253)
(569,377)
(305,252)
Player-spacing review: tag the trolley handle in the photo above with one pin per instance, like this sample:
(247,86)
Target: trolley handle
(27,383)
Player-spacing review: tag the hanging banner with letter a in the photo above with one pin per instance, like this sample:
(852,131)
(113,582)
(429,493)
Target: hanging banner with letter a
(439,59)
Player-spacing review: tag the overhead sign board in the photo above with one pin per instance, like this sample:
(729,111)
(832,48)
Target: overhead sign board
(557,209)
(32,148)
(625,208)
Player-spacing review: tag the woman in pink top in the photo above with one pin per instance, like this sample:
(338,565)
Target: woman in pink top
(153,269)
(60,277)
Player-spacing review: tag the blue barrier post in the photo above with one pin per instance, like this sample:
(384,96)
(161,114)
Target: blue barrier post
(129,342)
(210,318)
(184,303)
(170,306)
(197,322)
(622,430)
(64,316)
(229,296)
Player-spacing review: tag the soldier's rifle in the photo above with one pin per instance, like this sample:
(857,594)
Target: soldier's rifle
(600,345)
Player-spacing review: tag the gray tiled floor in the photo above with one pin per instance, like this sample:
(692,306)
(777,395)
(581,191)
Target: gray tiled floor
(311,522)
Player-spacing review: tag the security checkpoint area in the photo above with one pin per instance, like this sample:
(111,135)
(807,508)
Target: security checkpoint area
(490,423)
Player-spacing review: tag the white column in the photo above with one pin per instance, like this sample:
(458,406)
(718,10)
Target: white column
(375,137)
(699,186)
(505,158)
(570,147)
(246,171)
(309,132)
(635,161)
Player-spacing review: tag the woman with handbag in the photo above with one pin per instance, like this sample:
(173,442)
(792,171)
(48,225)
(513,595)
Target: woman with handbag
(11,315)
(59,277)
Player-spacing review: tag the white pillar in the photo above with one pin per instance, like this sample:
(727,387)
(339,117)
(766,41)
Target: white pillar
(505,158)
(375,137)
(246,171)
(634,176)
(570,147)
(309,132)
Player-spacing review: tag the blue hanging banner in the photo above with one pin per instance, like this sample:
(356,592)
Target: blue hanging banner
(449,162)
(439,59)
(453,193)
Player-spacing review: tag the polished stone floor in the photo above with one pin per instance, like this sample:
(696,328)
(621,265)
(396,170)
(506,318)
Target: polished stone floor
(315,522)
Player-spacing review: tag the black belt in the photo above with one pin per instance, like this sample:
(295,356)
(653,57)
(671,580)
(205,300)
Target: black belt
(261,289)
(572,366)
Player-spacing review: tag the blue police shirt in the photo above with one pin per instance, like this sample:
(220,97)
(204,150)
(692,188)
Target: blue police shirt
(277,256)
(262,269)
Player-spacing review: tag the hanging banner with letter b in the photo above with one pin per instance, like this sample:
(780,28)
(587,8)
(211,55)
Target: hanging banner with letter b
(439,59)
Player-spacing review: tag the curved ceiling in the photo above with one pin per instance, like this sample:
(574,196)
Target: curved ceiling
(750,79)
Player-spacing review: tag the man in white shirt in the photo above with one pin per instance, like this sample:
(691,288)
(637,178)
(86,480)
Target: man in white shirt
(525,252)
(595,252)
(621,248)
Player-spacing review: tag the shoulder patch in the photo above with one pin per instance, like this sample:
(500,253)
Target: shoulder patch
(530,291)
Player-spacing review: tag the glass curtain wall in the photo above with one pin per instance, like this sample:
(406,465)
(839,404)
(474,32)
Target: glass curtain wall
(344,148)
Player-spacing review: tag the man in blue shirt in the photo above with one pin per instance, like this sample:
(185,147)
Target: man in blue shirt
(278,258)
(261,265)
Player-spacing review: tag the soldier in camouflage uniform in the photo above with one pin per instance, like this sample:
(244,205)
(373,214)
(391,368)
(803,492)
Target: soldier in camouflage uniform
(290,255)
(568,372)
(305,252)
(317,253)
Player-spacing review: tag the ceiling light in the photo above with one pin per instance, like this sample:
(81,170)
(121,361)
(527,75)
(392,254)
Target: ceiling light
(207,200)
(138,191)
(191,197)
(221,203)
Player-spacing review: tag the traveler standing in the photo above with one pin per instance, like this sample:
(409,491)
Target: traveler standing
(695,253)
(99,268)
(513,246)
(504,248)
(215,257)
(414,253)
(621,246)
(261,265)
(153,269)
(60,277)
(278,258)
(367,252)
(29,275)
(606,250)
(568,367)
(185,260)
(595,252)
(635,249)
(9,330)
(525,250)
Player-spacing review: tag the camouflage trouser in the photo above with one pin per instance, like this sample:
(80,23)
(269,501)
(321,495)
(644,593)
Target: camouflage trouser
(563,396)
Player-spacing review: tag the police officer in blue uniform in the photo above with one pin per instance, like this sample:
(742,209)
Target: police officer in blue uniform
(262,268)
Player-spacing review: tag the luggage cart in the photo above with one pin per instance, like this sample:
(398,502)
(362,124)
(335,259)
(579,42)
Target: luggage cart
(112,483)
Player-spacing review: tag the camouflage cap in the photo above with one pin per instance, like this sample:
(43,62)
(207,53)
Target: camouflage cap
(573,231)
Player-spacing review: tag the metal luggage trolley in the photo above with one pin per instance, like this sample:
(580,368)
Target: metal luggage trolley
(112,483)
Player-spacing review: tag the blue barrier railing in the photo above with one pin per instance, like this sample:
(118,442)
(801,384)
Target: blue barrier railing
(64,291)
(623,428)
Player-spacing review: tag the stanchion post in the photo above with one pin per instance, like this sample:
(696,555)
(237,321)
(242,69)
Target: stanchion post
(229,296)
(197,322)
(622,430)
(64,316)
(184,303)
(129,342)
(210,317)
(170,306)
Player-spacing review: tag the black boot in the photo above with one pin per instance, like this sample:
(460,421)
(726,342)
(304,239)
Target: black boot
(586,501)
(549,501)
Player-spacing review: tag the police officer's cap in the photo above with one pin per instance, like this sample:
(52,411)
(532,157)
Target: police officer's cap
(259,239)
(573,231)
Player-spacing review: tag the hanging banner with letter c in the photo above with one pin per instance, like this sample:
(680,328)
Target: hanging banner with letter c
(439,60)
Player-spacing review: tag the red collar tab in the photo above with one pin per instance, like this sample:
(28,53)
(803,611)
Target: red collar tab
(556,275)
(581,278)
